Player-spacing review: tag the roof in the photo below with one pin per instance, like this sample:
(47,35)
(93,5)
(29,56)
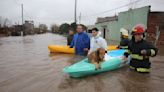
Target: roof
(106,19)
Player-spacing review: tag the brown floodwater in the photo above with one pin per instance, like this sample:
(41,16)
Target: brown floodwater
(27,66)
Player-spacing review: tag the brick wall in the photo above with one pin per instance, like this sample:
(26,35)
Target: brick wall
(155,19)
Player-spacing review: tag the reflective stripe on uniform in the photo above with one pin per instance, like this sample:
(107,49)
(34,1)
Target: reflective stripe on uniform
(136,56)
(143,70)
(128,51)
(124,47)
(152,52)
(125,36)
(131,67)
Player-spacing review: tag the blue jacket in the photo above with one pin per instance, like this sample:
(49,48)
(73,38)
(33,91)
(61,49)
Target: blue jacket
(80,41)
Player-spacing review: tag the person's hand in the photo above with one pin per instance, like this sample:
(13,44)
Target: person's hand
(86,49)
(124,58)
(70,46)
(118,47)
(143,52)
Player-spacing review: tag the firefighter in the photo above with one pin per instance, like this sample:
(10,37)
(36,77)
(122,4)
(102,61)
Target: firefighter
(140,51)
(124,39)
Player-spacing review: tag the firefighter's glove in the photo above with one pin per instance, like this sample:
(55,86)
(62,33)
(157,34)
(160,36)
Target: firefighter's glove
(143,52)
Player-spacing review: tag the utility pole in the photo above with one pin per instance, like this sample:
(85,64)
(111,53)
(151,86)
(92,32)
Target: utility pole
(22,20)
(75,10)
(80,18)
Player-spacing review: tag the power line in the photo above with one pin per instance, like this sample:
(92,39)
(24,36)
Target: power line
(26,14)
(112,9)
(17,2)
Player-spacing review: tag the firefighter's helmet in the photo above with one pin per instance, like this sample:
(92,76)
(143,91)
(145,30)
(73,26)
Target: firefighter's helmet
(124,32)
(138,29)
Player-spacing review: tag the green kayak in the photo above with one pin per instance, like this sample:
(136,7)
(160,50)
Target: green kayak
(84,68)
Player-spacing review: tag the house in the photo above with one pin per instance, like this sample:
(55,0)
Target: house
(29,27)
(110,26)
(17,30)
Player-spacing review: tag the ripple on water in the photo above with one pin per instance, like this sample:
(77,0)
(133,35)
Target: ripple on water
(27,66)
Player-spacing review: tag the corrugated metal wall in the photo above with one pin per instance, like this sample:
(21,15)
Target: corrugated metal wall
(127,20)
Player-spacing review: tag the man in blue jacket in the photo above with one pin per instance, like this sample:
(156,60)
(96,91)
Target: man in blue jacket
(81,41)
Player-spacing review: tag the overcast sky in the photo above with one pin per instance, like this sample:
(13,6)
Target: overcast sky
(61,11)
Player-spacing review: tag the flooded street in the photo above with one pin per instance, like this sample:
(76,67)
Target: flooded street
(27,66)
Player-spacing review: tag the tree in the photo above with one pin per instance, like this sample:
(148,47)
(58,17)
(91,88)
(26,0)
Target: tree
(5,22)
(43,28)
(73,26)
(64,28)
(55,28)
(0,21)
